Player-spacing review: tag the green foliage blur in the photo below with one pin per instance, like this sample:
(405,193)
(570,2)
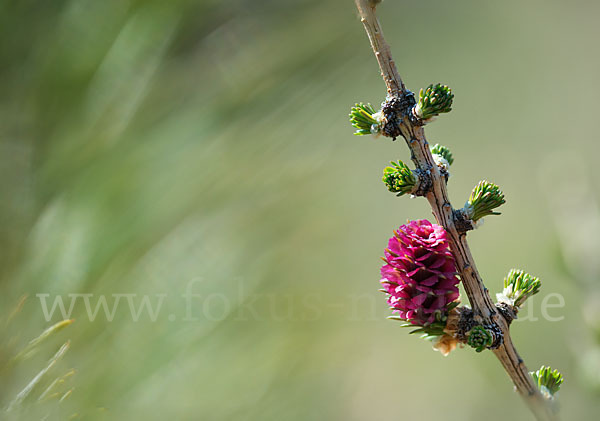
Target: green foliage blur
(197,154)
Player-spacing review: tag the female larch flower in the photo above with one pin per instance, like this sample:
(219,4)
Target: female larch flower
(419,276)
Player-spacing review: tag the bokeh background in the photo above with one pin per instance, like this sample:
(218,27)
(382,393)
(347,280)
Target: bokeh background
(202,147)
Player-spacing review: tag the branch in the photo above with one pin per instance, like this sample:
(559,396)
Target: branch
(382,51)
(485,312)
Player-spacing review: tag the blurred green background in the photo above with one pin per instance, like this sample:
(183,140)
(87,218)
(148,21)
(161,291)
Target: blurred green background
(202,147)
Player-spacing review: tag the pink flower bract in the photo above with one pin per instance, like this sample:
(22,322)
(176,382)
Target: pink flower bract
(420,272)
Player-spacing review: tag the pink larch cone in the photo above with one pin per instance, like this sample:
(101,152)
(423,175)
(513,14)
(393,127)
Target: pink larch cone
(420,273)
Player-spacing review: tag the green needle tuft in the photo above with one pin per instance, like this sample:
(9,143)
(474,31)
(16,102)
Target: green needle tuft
(547,380)
(434,100)
(399,178)
(479,338)
(442,151)
(362,118)
(484,198)
(518,287)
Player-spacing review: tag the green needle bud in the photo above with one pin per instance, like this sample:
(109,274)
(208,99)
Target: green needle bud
(399,178)
(442,151)
(363,118)
(434,100)
(548,381)
(485,197)
(479,338)
(518,287)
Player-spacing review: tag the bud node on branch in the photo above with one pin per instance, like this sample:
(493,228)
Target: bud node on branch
(394,109)
(462,222)
(507,311)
